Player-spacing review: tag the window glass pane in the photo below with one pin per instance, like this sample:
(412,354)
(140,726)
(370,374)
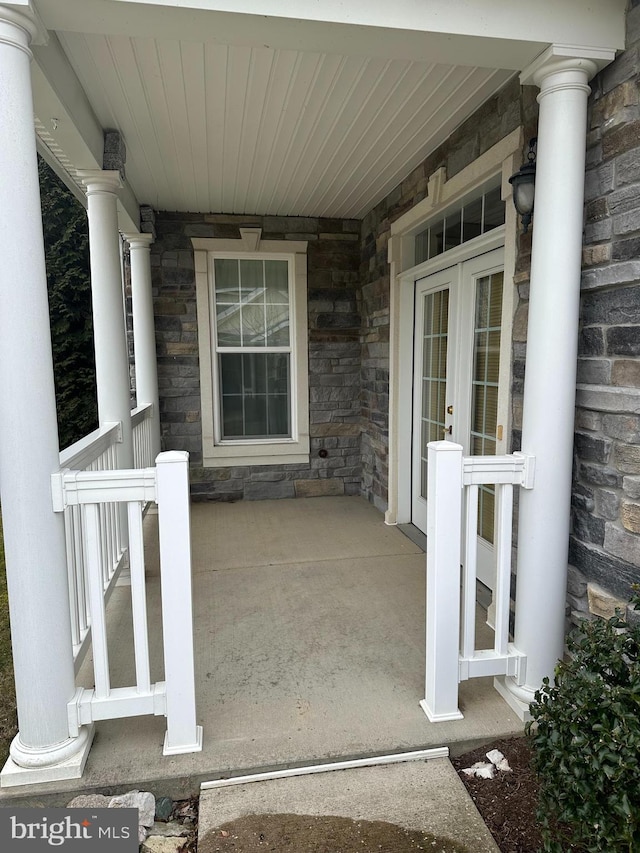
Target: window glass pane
(436,239)
(278,414)
(472,220)
(231,373)
(277,282)
(254,378)
(253,332)
(226,280)
(277,320)
(278,373)
(228,325)
(255,395)
(422,246)
(493,210)
(453,232)
(252,280)
(255,415)
(231,416)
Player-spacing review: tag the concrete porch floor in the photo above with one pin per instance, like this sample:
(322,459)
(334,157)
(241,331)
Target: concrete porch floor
(309,647)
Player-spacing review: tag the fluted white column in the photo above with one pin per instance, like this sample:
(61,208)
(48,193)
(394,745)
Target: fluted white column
(550,377)
(29,453)
(144,335)
(109,330)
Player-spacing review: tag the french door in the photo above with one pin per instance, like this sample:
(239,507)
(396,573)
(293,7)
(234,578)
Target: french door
(456,378)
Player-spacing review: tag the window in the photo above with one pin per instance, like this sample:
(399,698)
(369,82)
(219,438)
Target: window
(462,224)
(252,332)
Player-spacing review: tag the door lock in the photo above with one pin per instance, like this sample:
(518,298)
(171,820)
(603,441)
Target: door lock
(449,410)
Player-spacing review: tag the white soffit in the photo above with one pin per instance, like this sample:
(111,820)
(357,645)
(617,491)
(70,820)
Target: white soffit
(253,130)
(242,113)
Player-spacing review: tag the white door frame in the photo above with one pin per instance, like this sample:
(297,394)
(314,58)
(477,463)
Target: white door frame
(502,159)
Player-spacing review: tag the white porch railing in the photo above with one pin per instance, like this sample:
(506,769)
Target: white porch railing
(88,493)
(141,423)
(98,452)
(452,536)
(95,452)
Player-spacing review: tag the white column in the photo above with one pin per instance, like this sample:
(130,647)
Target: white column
(29,453)
(550,377)
(144,335)
(109,330)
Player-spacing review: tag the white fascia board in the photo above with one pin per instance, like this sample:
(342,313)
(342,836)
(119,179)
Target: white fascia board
(550,21)
(70,137)
(482,33)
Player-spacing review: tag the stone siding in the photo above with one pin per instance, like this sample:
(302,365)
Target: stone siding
(493,121)
(334,355)
(605,543)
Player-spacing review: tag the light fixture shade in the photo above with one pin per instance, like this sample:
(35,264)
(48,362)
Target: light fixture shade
(523,183)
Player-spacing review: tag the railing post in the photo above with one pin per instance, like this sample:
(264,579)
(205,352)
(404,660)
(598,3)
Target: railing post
(444,529)
(172,495)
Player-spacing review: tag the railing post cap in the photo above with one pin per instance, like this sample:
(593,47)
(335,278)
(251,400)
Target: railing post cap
(172,456)
(447,446)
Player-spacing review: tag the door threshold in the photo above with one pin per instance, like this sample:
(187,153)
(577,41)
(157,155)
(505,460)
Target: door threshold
(415,534)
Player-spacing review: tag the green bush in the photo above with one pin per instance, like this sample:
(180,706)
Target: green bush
(585,733)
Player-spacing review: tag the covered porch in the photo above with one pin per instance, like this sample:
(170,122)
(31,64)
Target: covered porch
(309,629)
(309,636)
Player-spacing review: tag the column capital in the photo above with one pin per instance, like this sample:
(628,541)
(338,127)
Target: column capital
(100,181)
(138,241)
(581,63)
(21,16)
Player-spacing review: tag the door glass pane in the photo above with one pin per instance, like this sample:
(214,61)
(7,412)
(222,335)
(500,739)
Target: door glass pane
(484,407)
(434,375)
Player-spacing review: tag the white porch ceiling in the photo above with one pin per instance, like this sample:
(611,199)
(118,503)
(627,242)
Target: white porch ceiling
(243,113)
(230,128)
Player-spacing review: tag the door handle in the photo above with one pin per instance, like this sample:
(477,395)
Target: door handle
(447,430)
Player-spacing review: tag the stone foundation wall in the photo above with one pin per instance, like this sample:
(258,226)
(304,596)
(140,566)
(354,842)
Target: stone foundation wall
(605,544)
(334,355)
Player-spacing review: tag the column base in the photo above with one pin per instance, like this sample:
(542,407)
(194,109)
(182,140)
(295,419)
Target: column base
(439,718)
(65,761)
(518,702)
(184,748)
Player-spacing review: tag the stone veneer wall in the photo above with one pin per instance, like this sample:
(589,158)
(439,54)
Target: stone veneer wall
(334,354)
(605,545)
(510,108)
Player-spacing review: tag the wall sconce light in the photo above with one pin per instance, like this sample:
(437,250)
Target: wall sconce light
(523,183)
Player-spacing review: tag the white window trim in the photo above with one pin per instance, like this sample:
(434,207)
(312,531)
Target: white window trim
(280,451)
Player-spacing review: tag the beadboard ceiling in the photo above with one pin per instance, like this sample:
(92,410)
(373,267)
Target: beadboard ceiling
(212,127)
(250,112)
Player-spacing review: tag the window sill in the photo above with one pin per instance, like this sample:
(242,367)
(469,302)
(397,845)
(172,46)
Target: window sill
(227,456)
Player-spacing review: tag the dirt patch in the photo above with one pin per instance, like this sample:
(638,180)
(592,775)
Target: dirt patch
(307,834)
(507,802)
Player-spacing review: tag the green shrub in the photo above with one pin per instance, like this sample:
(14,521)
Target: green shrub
(585,733)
